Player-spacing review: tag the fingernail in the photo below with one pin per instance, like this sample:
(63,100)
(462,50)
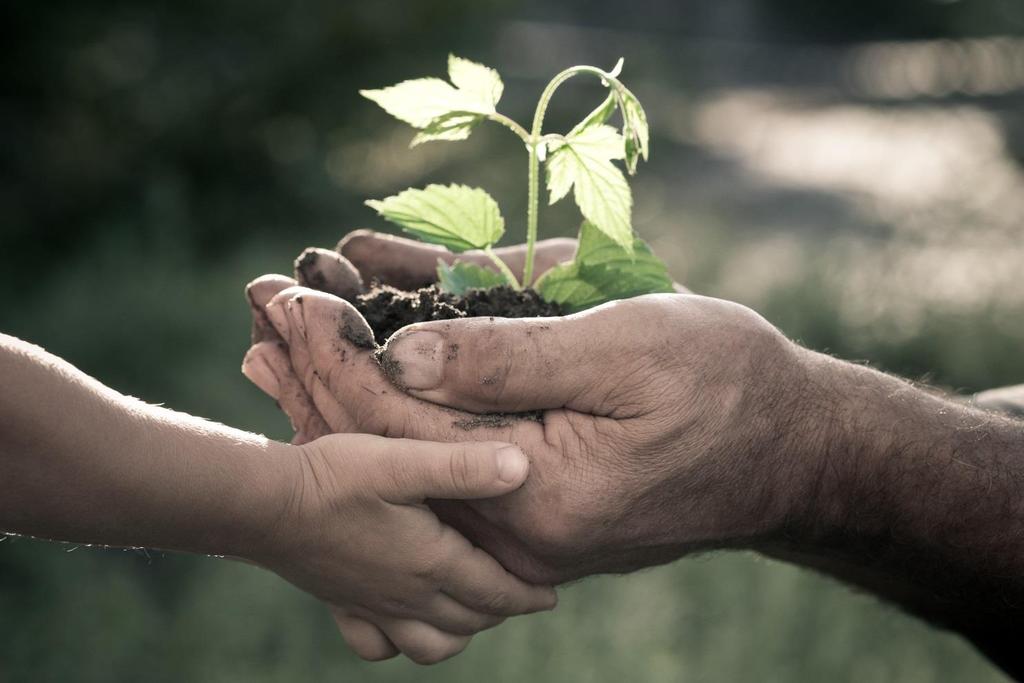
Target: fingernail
(257,369)
(278,318)
(512,465)
(295,314)
(418,358)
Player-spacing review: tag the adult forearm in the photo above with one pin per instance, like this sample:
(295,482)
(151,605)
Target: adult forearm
(80,462)
(915,497)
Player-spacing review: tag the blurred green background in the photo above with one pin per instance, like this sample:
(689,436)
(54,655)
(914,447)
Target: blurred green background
(851,169)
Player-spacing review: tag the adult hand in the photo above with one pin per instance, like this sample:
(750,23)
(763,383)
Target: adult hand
(675,423)
(363,256)
(647,443)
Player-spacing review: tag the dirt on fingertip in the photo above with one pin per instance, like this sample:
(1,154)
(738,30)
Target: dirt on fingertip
(387,309)
(357,333)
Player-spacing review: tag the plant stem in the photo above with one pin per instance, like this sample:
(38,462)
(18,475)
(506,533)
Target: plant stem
(535,139)
(511,125)
(503,267)
(531,213)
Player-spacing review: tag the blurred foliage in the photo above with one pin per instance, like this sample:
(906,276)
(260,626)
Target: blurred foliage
(156,156)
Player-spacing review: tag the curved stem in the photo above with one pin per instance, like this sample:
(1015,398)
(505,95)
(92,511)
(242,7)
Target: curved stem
(503,267)
(534,169)
(511,125)
(531,213)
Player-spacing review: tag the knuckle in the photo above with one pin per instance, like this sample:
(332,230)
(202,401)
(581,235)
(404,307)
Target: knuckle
(434,563)
(464,469)
(483,622)
(398,605)
(470,625)
(498,602)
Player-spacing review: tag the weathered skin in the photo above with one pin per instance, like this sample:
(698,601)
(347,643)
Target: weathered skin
(674,423)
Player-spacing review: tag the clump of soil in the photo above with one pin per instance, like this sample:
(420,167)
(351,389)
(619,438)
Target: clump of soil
(387,309)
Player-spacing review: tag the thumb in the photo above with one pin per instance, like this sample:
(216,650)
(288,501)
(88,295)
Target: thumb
(409,471)
(515,365)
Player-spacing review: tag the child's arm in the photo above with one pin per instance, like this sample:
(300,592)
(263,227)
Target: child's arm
(339,517)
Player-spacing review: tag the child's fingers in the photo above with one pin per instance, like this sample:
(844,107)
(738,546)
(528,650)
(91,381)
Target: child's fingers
(421,642)
(365,639)
(477,581)
(451,616)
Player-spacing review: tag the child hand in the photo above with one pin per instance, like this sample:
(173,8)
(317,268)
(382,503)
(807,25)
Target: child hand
(355,532)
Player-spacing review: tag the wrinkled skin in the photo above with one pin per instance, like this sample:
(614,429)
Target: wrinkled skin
(641,419)
(268,364)
(673,423)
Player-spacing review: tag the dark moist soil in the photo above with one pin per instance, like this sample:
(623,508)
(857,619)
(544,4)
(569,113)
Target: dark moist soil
(387,309)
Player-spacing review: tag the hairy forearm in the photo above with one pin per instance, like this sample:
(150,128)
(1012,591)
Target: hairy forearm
(80,462)
(914,497)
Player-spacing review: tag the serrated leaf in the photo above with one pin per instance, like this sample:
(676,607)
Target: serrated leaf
(421,100)
(583,161)
(634,129)
(595,248)
(460,277)
(454,216)
(603,271)
(564,285)
(441,110)
(477,80)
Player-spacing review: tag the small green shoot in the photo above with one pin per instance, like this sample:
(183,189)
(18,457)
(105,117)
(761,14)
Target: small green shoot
(610,263)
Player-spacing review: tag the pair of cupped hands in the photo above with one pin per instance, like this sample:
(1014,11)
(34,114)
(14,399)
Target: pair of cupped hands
(645,422)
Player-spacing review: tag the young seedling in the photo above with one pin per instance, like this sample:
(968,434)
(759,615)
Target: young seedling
(610,262)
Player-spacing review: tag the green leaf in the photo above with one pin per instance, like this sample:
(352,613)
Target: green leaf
(634,129)
(564,285)
(603,271)
(441,110)
(454,216)
(446,127)
(583,161)
(603,112)
(461,276)
(476,80)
